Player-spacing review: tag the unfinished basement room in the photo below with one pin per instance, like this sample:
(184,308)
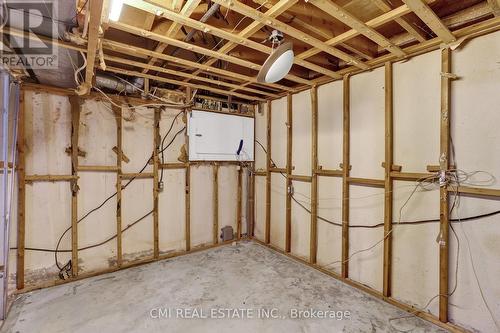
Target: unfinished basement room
(250,166)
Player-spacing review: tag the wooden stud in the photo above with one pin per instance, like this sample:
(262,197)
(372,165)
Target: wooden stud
(156,162)
(215,201)
(388,188)
(288,222)
(92,44)
(119,151)
(187,180)
(21,199)
(97,168)
(313,242)
(345,176)
(268,174)
(239,203)
(444,211)
(75,125)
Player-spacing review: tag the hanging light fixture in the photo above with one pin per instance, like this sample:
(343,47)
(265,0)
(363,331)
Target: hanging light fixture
(279,62)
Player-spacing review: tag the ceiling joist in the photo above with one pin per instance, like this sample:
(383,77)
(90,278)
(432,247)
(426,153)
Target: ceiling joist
(345,17)
(289,30)
(431,19)
(93,30)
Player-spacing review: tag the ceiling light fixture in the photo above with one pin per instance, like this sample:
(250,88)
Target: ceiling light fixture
(115,10)
(279,62)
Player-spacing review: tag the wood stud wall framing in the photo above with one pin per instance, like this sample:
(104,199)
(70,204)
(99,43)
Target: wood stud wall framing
(391,172)
(23,179)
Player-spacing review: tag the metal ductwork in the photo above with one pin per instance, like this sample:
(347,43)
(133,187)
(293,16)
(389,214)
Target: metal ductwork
(113,83)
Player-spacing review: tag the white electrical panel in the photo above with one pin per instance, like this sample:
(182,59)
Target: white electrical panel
(220,137)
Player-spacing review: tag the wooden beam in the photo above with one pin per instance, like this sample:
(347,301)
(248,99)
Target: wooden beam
(180,83)
(21,197)
(187,203)
(119,157)
(274,11)
(232,37)
(430,18)
(444,209)
(289,30)
(156,190)
(417,33)
(345,176)
(186,75)
(215,202)
(268,174)
(92,44)
(75,125)
(313,242)
(376,22)
(288,222)
(388,188)
(174,28)
(198,49)
(347,18)
(478,191)
(495,7)
(239,203)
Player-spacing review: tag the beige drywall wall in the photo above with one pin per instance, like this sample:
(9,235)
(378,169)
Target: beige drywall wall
(48,204)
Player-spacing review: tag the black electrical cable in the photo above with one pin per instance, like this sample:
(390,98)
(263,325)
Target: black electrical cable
(114,194)
(163,142)
(379,225)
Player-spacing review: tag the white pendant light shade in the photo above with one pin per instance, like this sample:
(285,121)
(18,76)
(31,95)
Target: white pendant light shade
(277,65)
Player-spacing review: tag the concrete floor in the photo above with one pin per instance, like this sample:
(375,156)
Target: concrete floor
(244,277)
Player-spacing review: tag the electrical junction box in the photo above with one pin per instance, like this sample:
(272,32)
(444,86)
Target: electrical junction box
(220,137)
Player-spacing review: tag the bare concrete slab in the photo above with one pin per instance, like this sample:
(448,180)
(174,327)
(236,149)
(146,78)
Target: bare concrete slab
(258,288)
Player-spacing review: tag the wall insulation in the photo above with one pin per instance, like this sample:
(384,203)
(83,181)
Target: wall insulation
(354,126)
(48,199)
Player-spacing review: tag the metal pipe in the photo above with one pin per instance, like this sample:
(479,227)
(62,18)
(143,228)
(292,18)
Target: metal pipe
(104,81)
(208,14)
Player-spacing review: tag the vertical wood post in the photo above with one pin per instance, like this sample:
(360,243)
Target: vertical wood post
(388,181)
(118,114)
(314,182)
(187,178)
(444,163)
(75,124)
(156,162)
(21,203)
(239,203)
(268,175)
(345,174)
(216,204)
(288,222)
